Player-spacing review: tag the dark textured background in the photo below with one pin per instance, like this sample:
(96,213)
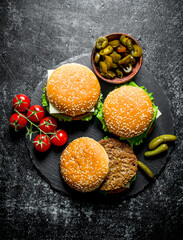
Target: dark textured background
(36,36)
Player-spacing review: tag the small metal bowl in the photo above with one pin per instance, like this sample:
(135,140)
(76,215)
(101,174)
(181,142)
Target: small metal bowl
(116,80)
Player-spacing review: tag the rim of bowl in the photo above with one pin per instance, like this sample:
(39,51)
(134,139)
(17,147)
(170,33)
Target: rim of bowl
(117,80)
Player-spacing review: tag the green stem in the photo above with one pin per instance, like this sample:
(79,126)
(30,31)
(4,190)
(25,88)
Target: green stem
(31,122)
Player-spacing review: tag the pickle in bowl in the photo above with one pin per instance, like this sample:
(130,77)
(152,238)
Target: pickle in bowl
(119,52)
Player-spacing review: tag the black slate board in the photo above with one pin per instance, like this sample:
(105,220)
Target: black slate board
(48,163)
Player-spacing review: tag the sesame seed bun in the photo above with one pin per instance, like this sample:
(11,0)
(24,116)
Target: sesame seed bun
(84,164)
(73,89)
(122,165)
(128,111)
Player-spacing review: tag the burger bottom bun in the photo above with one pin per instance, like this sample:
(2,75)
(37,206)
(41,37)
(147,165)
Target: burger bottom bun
(122,165)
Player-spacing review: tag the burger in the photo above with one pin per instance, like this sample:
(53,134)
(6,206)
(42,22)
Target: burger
(107,166)
(122,166)
(72,92)
(84,164)
(128,112)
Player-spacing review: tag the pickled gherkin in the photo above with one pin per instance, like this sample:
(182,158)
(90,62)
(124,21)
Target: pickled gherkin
(101,42)
(126,60)
(119,73)
(102,67)
(114,43)
(114,65)
(124,41)
(115,57)
(97,57)
(136,51)
(156,151)
(106,50)
(148,172)
(108,61)
(161,139)
(109,74)
(121,38)
(129,44)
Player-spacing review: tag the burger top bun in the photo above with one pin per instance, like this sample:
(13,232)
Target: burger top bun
(84,164)
(128,111)
(73,89)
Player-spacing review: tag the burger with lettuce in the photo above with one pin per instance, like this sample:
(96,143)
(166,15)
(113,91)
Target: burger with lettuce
(72,92)
(128,112)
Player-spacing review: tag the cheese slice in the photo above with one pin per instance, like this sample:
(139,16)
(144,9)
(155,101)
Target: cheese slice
(53,110)
(158,114)
(50,72)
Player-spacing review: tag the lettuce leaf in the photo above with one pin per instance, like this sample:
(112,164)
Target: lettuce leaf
(61,117)
(99,115)
(44,100)
(139,139)
(88,118)
(135,140)
(106,137)
(133,179)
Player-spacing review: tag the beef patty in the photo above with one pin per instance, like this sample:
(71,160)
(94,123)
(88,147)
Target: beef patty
(122,165)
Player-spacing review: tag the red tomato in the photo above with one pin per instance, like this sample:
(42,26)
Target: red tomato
(42,143)
(21,102)
(59,138)
(35,113)
(48,124)
(17,122)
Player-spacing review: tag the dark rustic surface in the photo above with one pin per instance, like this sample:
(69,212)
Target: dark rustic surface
(36,36)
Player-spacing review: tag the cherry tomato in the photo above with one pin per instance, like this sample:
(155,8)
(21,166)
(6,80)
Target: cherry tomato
(59,138)
(48,124)
(17,122)
(35,113)
(42,143)
(21,102)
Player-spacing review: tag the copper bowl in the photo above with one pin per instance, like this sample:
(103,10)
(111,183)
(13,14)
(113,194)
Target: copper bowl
(116,80)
